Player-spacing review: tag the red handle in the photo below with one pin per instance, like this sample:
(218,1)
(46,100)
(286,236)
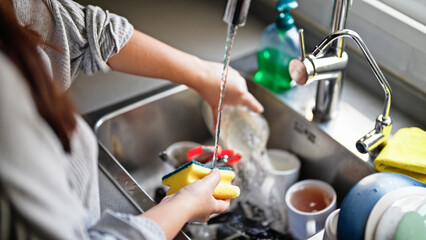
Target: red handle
(203,154)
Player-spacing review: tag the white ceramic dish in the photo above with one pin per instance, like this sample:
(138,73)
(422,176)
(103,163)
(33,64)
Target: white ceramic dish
(384,203)
(422,210)
(389,221)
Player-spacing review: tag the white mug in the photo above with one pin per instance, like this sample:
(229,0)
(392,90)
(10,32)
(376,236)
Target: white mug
(284,167)
(309,202)
(282,170)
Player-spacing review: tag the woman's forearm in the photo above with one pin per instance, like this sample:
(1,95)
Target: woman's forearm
(171,217)
(146,56)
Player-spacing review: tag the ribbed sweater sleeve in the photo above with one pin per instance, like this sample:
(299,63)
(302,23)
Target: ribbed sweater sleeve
(85,37)
(92,35)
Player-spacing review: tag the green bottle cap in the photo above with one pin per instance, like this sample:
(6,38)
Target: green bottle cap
(285,21)
(286,5)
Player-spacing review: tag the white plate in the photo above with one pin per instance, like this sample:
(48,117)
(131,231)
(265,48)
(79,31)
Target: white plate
(421,210)
(384,203)
(389,221)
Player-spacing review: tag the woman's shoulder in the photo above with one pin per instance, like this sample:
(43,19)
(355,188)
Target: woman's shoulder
(11,84)
(13,90)
(17,107)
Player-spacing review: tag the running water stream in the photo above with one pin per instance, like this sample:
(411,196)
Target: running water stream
(232,30)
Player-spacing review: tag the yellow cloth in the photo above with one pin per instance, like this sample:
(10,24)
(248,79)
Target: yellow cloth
(405,153)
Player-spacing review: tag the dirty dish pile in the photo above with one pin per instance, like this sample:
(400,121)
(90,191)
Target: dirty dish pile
(375,206)
(389,210)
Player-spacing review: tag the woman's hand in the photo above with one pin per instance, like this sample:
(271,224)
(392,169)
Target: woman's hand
(198,198)
(194,202)
(236,92)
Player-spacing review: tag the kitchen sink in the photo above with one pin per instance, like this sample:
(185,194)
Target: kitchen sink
(135,134)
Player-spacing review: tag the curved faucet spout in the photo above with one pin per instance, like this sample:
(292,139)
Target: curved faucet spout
(377,72)
(312,66)
(373,141)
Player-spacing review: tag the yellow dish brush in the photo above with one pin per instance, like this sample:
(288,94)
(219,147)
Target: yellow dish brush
(193,171)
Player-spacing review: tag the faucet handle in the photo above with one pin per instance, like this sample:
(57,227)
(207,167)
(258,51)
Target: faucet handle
(298,71)
(297,68)
(302,44)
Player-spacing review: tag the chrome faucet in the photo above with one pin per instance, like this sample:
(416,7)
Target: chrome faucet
(328,67)
(373,141)
(236,12)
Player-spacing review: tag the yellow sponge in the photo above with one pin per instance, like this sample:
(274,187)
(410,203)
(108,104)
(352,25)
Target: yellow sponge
(193,171)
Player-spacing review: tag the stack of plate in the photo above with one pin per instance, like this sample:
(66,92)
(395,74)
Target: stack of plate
(384,206)
(385,220)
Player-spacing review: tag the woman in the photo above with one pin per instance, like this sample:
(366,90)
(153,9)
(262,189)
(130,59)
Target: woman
(48,154)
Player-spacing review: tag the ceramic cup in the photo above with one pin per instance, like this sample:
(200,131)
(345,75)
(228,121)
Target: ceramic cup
(330,228)
(282,170)
(309,202)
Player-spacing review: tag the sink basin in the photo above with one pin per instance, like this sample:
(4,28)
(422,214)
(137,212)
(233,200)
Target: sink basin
(135,135)
(132,135)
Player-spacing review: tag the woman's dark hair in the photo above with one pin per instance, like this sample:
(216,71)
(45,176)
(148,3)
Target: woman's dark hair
(20,45)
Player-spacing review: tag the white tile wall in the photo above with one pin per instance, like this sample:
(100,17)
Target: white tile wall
(416,71)
(381,45)
(399,48)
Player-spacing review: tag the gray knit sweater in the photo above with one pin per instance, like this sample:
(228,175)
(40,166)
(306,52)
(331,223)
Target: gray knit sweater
(44,192)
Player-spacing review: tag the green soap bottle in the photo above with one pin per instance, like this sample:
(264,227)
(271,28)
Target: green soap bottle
(279,44)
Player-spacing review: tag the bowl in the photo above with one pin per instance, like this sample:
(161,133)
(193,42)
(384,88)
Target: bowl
(175,154)
(362,197)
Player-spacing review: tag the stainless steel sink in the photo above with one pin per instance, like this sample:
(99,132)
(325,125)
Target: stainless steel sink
(137,133)
(132,134)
